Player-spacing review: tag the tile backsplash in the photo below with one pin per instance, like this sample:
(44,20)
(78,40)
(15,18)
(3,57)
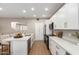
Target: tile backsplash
(68,36)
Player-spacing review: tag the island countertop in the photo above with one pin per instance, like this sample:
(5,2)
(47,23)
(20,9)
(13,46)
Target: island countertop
(12,38)
(18,46)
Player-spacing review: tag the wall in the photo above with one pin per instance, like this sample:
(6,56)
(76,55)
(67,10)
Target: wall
(5,24)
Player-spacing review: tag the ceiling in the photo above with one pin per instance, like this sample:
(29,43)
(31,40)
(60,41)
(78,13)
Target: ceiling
(15,10)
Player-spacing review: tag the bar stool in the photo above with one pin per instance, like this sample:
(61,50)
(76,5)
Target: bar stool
(5,48)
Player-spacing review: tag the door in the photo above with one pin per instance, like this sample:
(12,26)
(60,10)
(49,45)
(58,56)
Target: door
(39,31)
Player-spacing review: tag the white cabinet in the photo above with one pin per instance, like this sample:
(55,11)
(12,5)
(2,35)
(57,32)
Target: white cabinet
(19,47)
(56,49)
(48,31)
(59,20)
(52,47)
(60,50)
(71,15)
(66,17)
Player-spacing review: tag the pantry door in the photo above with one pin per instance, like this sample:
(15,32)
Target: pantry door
(39,31)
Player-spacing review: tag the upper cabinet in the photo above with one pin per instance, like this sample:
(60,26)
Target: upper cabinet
(66,17)
(48,31)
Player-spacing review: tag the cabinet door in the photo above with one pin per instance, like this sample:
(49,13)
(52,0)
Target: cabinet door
(72,15)
(52,47)
(19,47)
(60,51)
(66,17)
(59,19)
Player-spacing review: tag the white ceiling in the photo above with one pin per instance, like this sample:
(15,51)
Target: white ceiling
(14,10)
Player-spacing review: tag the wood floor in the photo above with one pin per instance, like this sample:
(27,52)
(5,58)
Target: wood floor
(39,48)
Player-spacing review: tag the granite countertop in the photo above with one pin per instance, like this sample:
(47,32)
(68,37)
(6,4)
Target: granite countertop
(73,40)
(69,47)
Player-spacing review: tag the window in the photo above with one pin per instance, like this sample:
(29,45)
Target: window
(18,26)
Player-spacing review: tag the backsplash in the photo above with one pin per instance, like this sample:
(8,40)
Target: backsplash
(68,35)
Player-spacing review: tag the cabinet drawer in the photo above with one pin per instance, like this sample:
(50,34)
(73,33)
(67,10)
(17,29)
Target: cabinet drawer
(60,50)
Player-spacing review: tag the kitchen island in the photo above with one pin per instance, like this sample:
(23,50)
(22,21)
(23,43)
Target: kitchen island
(19,46)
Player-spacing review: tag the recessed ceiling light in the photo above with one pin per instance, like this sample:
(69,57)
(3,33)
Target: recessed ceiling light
(0,9)
(34,15)
(46,9)
(32,9)
(44,15)
(24,11)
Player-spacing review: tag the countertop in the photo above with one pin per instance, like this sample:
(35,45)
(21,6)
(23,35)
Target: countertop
(17,39)
(71,39)
(69,47)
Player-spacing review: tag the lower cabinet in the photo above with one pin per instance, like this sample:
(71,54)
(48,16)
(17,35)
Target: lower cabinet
(55,49)
(60,50)
(19,47)
(52,47)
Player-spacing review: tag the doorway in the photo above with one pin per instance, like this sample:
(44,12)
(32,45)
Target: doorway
(39,31)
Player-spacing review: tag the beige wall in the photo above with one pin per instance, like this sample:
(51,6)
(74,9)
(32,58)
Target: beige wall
(5,24)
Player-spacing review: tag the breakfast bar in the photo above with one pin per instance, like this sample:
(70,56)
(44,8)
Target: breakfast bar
(19,46)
